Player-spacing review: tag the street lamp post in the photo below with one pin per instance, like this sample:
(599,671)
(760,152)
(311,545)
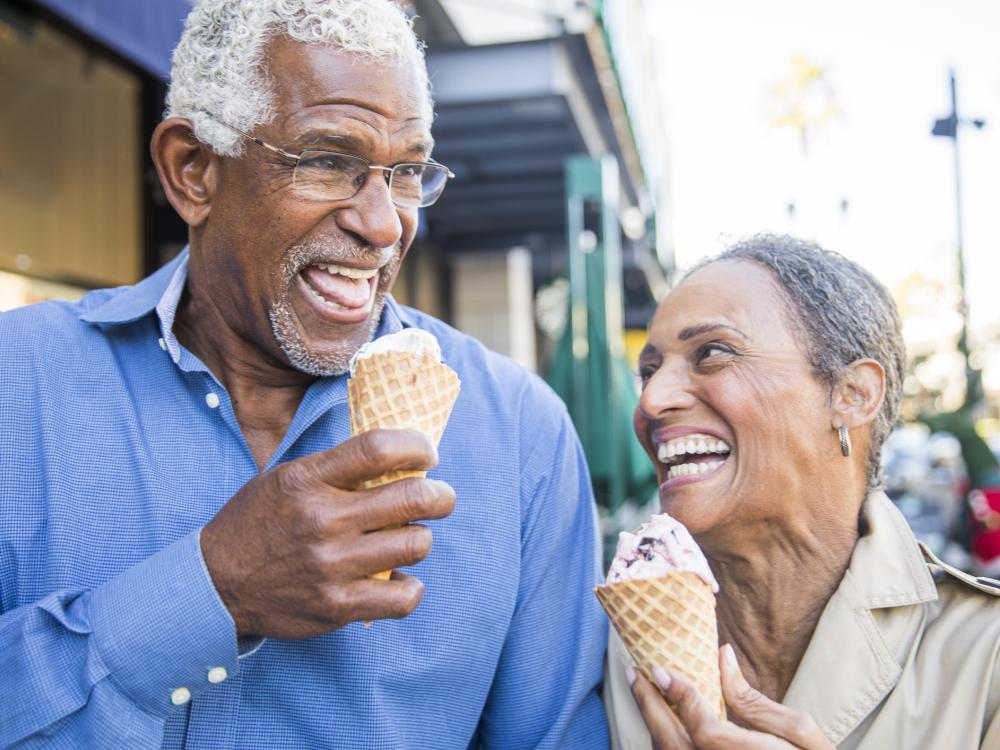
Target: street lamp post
(948,127)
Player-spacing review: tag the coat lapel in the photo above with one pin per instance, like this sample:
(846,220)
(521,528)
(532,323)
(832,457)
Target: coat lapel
(853,659)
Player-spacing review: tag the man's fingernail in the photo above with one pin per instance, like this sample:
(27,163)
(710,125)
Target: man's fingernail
(661,677)
(630,675)
(730,656)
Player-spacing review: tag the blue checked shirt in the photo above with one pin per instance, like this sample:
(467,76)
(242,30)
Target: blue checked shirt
(117,445)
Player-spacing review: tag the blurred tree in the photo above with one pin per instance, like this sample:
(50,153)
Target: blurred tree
(804,99)
(981,463)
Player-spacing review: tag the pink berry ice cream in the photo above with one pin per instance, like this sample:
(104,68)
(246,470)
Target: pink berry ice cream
(658,546)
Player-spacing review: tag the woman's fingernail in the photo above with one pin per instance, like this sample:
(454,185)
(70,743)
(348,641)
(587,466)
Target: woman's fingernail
(661,677)
(630,675)
(730,656)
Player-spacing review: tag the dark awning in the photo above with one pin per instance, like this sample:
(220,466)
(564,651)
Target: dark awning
(144,32)
(508,117)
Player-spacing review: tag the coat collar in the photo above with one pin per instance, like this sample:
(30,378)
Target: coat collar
(853,661)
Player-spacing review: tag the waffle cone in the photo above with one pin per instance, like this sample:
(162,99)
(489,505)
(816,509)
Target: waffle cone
(400,390)
(669,622)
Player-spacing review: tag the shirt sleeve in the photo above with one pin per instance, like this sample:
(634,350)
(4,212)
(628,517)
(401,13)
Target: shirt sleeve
(546,689)
(106,667)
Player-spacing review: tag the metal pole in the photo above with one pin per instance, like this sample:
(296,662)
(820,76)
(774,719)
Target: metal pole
(963,339)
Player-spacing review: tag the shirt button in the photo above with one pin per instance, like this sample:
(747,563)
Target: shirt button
(163,344)
(180,696)
(217,674)
(212,399)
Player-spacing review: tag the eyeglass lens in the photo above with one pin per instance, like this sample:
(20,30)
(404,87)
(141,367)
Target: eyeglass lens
(324,175)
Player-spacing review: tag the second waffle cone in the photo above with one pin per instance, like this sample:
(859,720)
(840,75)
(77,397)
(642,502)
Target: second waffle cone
(669,622)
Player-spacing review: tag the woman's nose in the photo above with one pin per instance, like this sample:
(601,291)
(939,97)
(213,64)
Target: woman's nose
(668,390)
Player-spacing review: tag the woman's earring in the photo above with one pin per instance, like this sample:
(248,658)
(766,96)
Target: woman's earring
(845,441)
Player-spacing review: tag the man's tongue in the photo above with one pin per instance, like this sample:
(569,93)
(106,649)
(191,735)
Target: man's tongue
(335,288)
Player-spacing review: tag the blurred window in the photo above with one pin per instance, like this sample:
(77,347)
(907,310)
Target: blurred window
(70,165)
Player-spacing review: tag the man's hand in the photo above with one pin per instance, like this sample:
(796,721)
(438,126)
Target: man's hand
(291,552)
(770,725)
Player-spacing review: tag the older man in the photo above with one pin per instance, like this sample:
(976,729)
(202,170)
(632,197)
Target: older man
(184,549)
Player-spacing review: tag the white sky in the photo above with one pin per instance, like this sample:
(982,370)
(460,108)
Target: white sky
(732,173)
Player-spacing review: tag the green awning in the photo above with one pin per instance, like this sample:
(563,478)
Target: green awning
(589,370)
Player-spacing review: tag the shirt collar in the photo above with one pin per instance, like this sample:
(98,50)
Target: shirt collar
(162,292)
(133,302)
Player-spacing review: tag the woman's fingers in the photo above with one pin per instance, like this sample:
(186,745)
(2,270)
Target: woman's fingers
(664,728)
(756,711)
(692,724)
(703,726)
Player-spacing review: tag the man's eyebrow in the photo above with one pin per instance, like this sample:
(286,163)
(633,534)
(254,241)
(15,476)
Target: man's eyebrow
(421,149)
(325,138)
(342,141)
(702,328)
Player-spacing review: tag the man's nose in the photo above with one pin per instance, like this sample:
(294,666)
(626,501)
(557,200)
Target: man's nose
(371,215)
(668,390)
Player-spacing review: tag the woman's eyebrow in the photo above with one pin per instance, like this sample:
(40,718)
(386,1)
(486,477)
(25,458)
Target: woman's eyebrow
(648,351)
(702,328)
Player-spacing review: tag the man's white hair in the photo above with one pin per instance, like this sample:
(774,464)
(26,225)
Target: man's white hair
(218,65)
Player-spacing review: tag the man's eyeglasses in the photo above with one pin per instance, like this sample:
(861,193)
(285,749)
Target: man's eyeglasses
(325,175)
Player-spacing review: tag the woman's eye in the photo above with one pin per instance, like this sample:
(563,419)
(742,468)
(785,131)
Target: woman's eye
(709,351)
(646,372)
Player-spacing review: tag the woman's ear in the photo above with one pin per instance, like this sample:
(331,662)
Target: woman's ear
(187,169)
(858,394)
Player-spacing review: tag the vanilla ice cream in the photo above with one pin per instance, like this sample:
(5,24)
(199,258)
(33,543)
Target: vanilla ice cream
(410,340)
(658,546)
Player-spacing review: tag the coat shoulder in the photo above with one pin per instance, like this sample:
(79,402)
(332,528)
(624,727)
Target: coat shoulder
(947,575)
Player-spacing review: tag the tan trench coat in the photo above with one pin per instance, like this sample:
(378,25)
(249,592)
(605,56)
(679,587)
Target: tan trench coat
(905,654)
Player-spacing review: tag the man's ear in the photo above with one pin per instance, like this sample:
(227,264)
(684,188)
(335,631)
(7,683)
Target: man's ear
(187,168)
(858,394)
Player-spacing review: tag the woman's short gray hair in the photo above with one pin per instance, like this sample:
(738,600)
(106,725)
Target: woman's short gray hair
(841,312)
(218,65)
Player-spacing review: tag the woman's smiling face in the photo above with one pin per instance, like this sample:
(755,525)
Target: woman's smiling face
(731,413)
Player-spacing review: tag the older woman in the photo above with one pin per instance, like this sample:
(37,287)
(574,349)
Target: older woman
(841,629)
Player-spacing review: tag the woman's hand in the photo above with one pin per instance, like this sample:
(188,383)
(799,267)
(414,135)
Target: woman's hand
(694,726)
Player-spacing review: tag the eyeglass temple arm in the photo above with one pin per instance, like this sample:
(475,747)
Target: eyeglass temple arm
(258,141)
(275,149)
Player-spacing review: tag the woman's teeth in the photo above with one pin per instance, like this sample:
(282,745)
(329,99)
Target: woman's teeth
(691,445)
(692,469)
(692,455)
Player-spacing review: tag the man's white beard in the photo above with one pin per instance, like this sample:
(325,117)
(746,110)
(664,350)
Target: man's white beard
(333,360)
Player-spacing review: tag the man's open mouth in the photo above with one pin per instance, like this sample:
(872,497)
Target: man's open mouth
(341,288)
(692,455)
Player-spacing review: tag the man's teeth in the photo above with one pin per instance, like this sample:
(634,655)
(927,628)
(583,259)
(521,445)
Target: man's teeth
(351,273)
(689,470)
(691,445)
